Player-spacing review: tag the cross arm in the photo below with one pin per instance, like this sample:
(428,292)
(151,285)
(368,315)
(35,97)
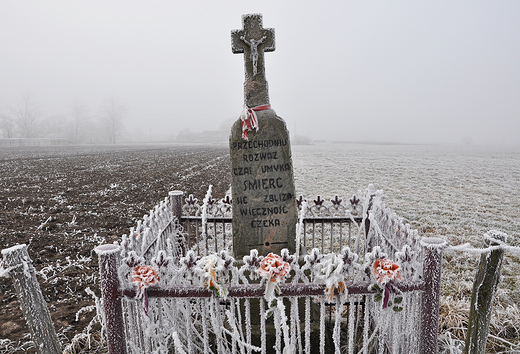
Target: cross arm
(237,45)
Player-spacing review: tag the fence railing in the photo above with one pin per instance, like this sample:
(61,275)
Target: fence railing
(329,227)
(421,300)
(181,232)
(15,142)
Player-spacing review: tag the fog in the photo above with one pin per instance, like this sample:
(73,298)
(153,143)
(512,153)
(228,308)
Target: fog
(436,72)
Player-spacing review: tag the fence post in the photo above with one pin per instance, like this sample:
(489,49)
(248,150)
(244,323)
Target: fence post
(176,203)
(484,288)
(432,262)
(108,265)
(31,299)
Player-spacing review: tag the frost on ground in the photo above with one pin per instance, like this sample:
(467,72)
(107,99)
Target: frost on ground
(64,201)
(454,192)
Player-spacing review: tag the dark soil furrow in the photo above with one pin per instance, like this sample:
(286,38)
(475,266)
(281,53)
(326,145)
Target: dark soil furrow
(64,201)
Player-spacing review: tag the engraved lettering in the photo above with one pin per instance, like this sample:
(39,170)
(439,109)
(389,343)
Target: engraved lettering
(264,183)
(240,200)
(265,223)
(242,171)
(281,197)
(276,168)
(258,144)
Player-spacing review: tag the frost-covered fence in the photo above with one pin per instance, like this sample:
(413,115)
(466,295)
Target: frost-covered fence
(377,291)
(328,226)
(485,286)
(159,230)
(19,266)
(207,226)
(203,304)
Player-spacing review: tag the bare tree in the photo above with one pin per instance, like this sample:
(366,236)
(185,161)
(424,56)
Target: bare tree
(112,114)
(79,117)
(27,114)
(56,126)
(6,125)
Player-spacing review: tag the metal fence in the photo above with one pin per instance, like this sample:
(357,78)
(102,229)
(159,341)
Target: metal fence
(329,226)
(180,237)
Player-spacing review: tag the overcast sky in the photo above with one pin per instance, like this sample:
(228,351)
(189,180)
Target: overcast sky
(410,71)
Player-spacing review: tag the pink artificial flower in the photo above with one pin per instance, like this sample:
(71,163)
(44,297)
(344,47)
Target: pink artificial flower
(144,276)
(385,270)
(273,268)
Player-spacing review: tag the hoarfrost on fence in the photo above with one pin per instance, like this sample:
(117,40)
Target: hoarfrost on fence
(222,311)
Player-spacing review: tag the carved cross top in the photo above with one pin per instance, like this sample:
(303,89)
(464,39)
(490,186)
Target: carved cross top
(252,41)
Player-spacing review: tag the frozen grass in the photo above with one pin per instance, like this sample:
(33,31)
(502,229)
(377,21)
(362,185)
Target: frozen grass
(456,193)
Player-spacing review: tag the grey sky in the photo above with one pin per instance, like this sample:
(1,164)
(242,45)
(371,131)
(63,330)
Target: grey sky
(410,71)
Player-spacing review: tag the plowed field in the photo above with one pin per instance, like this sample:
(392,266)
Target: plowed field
(64,201)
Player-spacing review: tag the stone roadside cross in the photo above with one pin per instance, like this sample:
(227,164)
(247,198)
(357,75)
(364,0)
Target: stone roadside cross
(253,41)
(264,206)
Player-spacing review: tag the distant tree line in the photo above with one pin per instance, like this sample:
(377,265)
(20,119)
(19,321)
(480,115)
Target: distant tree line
(25,119)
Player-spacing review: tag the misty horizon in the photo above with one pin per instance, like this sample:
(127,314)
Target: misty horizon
(413,73)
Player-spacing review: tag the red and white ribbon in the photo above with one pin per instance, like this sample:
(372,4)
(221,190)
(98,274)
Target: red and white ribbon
(250,119)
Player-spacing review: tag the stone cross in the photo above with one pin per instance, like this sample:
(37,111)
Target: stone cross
(264,205)
(253,41)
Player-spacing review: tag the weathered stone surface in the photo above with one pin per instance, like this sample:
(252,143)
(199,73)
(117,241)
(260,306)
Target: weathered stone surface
(253,40)
(262,180)
(264,207)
